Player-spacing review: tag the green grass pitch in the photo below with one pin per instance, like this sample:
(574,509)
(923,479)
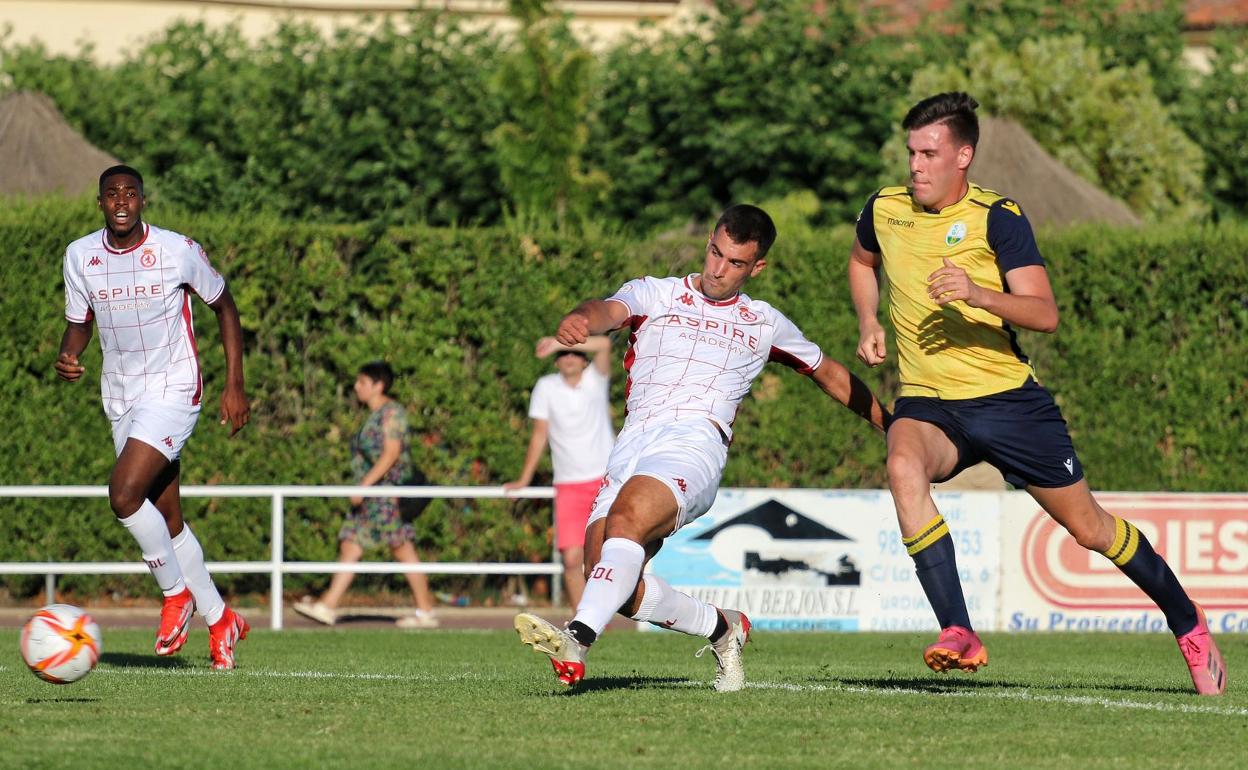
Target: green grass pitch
(450,699)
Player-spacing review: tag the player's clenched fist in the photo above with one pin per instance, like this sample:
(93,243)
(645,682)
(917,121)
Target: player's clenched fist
(871,346)
(68,368)
(573,329)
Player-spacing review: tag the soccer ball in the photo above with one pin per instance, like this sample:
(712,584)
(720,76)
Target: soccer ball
(61,643)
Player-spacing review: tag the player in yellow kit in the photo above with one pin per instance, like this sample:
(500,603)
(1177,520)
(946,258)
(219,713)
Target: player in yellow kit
(963,270)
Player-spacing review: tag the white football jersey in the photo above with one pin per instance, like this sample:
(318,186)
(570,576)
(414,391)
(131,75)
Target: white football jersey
(140,301)
(690,356)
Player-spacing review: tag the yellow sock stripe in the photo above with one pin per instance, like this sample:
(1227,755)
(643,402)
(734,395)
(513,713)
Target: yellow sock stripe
(1126,541)
(931,532)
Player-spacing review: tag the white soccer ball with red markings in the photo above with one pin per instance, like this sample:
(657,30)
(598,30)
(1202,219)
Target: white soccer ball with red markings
(61,643)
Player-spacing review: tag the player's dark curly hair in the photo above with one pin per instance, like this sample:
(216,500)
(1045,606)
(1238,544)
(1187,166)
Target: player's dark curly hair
(379,371)
(748,224)
(113,171)
(955,109)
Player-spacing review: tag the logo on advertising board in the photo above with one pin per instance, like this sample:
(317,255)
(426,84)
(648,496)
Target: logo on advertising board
(1204,539)
(784,568)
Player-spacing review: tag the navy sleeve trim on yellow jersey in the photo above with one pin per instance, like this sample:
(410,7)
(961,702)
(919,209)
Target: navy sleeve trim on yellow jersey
(866,226)
(1010,236)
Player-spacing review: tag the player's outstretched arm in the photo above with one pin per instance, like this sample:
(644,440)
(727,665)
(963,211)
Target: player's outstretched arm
(234,407)
(597,316)
(73,342)
(864,288)
(838,382)
(537,446)
(597,346)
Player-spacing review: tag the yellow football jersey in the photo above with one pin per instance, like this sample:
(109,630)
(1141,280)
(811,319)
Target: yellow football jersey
(953,351)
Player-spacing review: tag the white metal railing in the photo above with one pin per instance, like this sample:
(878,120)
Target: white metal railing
(276,565)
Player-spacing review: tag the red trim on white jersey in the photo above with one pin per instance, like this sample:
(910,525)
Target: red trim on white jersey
(791,361)
(190,334)
(147,230)
(634,323)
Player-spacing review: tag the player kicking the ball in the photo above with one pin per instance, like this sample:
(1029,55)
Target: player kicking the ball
(135,282)
(696,345)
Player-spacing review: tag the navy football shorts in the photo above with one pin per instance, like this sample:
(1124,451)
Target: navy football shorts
(1020,432)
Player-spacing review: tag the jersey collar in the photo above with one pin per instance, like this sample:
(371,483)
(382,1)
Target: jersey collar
(713,302)
(147,230)
(969,188)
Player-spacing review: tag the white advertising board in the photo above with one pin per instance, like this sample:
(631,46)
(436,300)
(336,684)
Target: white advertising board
(806,560)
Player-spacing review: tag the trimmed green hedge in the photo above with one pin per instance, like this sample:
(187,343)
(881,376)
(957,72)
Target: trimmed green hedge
(1149,367)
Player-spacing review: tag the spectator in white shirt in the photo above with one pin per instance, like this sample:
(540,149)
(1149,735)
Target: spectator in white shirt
(570,409)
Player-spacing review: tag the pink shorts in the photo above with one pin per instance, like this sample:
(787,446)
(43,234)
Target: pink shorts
(572,505)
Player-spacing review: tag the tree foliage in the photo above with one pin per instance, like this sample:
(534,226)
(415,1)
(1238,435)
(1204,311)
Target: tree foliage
(1215,114)
(371,122)
(544,84)
(1103,122)
(755,101)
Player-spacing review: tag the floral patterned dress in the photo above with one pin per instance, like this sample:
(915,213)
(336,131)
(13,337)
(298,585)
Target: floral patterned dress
(377,520)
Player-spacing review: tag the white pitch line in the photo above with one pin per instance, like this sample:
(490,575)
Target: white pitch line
(1023,695)
(290,674)
(1020,695)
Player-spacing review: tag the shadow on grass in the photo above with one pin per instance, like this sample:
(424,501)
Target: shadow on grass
(364,617)
(62,700)
(639,682)
(938,685)
(130,660)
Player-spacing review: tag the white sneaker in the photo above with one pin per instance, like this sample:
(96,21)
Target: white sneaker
(315,610)
(567,656)
(730,674)
(418,619)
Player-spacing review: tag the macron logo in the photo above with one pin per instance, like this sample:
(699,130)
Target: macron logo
(1070,465)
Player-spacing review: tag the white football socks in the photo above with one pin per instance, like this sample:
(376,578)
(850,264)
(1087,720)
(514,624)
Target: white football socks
(208,601)
(666,607)
(610,583)
(147,526)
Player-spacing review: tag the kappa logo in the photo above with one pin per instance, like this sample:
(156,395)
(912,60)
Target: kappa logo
(94,261)
(168,441)
(957,232)
(747,315)
(148,258)
(681,483)
(1069,462)
(1203,538)
(686,298)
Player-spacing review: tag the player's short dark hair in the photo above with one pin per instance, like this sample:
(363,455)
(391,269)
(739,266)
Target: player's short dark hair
(379,371)
(955,109)
(561,353)
(748,224)
(113,171)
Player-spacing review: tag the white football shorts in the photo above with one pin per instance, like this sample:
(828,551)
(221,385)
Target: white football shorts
(160,424)
(688,456)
